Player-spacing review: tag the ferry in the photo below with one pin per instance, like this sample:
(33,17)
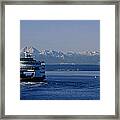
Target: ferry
(31,70)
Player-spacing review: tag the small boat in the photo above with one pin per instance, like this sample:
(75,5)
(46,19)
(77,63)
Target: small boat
(31,70)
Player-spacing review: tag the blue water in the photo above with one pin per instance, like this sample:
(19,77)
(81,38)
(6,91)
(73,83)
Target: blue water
(64,85)
(72,67)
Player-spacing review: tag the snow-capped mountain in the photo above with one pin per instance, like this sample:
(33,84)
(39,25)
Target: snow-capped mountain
(52,56)
(51,53)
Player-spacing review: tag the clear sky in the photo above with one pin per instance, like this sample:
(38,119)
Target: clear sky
(61,35)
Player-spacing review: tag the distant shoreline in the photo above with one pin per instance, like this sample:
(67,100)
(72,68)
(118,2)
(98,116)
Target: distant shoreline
(72,64)
(72,67)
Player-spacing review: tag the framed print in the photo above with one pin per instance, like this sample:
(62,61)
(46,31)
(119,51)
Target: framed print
(59,60)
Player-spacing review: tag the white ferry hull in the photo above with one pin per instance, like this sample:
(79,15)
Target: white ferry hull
(31,70)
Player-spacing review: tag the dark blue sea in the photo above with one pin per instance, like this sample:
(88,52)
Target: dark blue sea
(65,83)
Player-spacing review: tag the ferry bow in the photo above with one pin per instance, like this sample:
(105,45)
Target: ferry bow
(31,70)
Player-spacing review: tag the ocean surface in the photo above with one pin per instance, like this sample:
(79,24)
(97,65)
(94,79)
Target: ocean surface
(65,84)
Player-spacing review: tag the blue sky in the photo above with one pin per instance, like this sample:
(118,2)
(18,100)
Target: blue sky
(60,35)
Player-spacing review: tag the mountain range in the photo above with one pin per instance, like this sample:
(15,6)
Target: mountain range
(58,57)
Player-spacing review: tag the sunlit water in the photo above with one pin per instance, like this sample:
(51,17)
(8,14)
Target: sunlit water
(64,85)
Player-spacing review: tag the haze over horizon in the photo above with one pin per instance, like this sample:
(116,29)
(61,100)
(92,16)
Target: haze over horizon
(61,35)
